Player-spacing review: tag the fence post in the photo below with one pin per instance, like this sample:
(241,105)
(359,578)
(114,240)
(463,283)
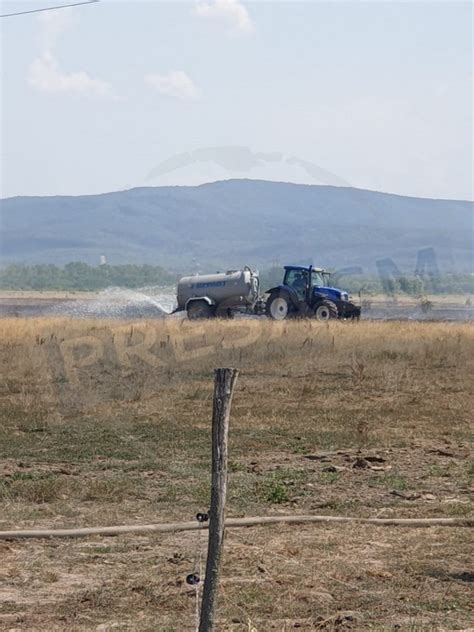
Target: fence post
(225,380)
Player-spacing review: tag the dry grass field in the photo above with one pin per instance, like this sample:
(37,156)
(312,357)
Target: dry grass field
(107,423)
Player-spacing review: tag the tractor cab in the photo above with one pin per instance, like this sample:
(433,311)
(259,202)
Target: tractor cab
(309,282)
(297,278)
(306,291)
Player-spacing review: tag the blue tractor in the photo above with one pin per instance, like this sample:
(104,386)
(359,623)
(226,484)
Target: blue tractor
(306,292)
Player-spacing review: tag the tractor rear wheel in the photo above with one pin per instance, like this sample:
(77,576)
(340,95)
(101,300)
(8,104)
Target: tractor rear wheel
(278,306)
(325,310)
(199,309)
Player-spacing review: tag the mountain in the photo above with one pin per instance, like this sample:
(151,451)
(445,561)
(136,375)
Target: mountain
(236,222)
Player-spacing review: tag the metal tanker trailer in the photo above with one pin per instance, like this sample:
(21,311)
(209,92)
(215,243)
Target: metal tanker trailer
(219,294)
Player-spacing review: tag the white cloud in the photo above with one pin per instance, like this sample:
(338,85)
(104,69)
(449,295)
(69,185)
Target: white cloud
(231,12)
(45,75)
(174,84)
(53,24)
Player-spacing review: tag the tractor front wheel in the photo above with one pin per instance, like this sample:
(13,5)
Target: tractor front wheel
(278,306)
(325,310)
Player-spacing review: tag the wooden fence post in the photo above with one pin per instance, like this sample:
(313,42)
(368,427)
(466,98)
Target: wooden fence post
(225,380)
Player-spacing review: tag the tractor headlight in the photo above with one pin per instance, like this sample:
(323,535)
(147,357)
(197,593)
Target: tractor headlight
(344,296)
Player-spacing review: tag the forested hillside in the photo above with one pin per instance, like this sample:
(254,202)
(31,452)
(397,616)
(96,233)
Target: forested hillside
(237,222)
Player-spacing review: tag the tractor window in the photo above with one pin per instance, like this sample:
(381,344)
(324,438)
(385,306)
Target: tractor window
(297,279)
(317,279)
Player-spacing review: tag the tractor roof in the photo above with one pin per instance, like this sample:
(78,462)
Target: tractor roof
(306,268)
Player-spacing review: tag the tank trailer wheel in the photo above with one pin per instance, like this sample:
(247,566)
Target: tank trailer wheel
(199,309)
(277,307)
(225,313)
(325,310)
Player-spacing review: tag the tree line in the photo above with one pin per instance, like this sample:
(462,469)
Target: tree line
(81,276)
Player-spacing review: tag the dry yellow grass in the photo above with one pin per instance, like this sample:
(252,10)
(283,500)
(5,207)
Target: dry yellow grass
(108,423)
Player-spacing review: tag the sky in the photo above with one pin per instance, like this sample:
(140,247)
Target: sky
(118,94)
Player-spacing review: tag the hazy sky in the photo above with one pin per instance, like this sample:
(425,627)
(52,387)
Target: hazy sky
(103,97)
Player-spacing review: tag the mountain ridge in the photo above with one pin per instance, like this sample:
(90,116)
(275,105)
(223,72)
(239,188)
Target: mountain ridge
(229,221)
(225,180)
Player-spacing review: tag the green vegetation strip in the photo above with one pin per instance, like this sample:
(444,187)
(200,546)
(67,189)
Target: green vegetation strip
(79,276)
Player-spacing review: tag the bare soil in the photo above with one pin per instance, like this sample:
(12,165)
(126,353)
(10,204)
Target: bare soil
(38,304)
